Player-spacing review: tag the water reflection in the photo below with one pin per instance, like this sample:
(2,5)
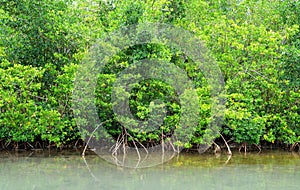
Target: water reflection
(276,170)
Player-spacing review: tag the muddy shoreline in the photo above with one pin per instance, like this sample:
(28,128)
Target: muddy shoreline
(79,145)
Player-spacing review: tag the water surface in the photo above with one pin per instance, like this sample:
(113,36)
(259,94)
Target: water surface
(68,170)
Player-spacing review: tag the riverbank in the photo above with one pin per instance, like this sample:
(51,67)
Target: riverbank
(217,147)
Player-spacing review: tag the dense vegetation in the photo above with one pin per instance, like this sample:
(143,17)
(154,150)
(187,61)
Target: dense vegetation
(256,44)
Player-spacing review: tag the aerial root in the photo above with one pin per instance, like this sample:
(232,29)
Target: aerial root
(258,147)
(294,146)
(217,148)
(87,143)
(244,145)
(121,144)
(228,159)
(228,148)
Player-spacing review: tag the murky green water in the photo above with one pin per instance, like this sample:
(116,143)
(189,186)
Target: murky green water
(272,170)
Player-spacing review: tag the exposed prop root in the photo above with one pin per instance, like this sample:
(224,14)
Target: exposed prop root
(217,148)
(89,169)
(122,143)
(137,151)
(173,147)
(228,148)
(162,142)
(228,159)
(75,145)
(244,145)
(258,147)
(87,143)
(294,146)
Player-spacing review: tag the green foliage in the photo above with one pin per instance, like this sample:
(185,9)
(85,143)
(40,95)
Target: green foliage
(19,112)
(256,44)
(25,115)
(258,54)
